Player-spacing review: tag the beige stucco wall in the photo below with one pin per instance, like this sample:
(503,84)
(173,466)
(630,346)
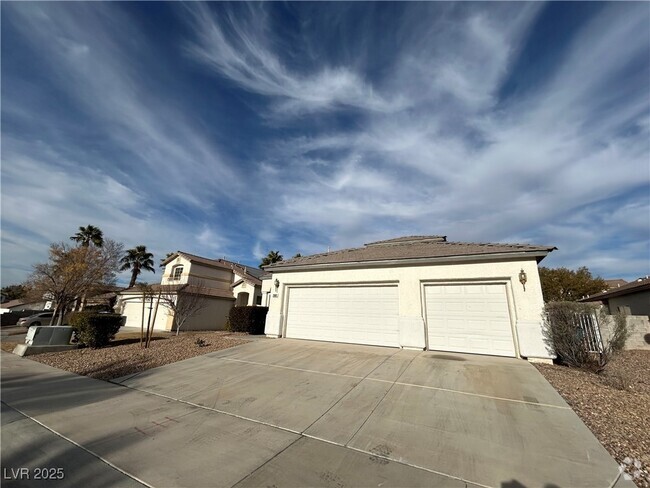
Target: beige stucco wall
(194,273)
(252,290)
(525,306)
(267,285)
(639,303)
(212,317)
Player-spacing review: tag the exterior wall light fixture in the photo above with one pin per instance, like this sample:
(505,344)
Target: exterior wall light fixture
(277,284)
(523,278)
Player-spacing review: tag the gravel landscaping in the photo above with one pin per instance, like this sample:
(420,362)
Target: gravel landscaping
(615,405)
(124,356)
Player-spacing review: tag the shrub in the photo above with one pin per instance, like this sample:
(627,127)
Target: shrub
(564,334)
(247,319)
(95,329)
(620,333)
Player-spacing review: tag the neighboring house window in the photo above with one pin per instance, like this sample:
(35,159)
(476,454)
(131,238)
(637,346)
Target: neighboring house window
(177,272)
(258,300)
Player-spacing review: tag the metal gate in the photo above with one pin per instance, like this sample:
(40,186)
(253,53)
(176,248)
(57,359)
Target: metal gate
(588,326)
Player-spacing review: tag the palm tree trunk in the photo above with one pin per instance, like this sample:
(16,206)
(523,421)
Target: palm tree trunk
(134,275)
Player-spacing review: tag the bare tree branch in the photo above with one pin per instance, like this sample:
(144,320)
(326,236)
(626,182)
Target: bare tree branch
(183,302)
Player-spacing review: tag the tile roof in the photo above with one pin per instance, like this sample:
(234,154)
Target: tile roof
(412,247)
(615,283)
(631,287)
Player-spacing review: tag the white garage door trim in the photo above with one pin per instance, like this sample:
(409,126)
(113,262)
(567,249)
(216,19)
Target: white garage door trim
(503,340)
(374,325)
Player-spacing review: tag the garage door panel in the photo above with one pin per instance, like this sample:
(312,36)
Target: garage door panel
(355,314)
(469,318)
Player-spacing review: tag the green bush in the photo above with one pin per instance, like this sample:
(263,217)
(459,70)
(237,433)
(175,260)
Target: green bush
(95,329)
(247,319)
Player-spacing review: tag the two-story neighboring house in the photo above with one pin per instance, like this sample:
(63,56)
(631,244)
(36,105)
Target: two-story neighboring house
(221,284)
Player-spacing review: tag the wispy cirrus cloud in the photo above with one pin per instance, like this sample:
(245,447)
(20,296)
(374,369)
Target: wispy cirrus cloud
(239,47)
(466,163)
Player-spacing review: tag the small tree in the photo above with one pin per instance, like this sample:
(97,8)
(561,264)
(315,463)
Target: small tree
(566,285)
(71,271)
(162,260)
(183,302)
(270,258)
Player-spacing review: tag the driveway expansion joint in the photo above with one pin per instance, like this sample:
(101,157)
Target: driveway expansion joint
(413,385)
(301,435)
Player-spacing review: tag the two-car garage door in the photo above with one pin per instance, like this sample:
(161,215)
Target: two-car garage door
(471,318)
(354,314)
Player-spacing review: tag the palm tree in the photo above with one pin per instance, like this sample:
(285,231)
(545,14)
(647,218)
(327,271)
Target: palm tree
(88,235)
(162,260)
(136,260)
(271,257)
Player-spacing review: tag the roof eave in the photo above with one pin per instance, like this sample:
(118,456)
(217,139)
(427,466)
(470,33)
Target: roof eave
(410,261)
(616,293)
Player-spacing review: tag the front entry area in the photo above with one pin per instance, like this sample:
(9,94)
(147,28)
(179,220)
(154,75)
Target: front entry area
(472,318)
(353,314)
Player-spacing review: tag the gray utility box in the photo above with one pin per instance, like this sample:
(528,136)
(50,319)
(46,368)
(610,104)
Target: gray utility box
(42,338)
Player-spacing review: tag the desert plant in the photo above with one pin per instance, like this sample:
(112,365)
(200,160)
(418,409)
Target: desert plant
(200,342)
(95,329)
(565,331)
(620,333)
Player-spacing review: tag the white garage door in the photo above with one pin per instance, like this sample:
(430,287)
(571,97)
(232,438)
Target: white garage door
(469,318)
(133,312)
(355,314)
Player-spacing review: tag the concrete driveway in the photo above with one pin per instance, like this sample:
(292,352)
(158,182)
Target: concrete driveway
(300,413)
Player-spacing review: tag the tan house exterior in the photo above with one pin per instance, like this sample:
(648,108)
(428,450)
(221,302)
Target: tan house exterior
(222,284)
(419,292)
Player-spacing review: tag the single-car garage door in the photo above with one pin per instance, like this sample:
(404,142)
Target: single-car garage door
(470,318)
(355,314)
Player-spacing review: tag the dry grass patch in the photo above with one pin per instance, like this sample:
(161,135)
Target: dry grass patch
(615,405)
(124,356)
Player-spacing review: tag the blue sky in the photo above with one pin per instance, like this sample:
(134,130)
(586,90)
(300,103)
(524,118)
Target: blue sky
(232,129)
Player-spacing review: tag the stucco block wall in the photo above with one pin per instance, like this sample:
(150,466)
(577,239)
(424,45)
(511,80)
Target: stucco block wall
(639,303)
(638,326)
(213,317)
(524,305)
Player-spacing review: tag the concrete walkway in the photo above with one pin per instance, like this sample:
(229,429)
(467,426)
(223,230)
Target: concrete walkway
(298,413)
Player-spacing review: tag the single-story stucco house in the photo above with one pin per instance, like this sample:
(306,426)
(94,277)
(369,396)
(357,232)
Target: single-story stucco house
(631,298)
(419,292)
(221,283)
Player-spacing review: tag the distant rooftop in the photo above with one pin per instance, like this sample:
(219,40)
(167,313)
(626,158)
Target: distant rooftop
(631,287)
